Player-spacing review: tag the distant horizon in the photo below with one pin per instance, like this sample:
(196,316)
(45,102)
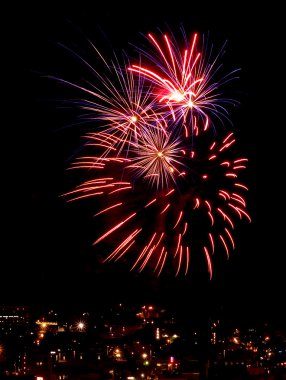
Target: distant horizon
(185,317)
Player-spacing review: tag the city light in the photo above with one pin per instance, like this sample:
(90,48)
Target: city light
(81,326)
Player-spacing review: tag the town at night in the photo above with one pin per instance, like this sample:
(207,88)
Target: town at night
(135,342)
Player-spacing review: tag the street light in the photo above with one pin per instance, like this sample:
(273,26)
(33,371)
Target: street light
(80,326)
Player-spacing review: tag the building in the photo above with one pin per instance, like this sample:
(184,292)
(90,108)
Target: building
(14,319)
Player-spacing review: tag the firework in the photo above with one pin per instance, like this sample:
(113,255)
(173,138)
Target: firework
(196,212)
(186,81)
(117,102)
(165,193)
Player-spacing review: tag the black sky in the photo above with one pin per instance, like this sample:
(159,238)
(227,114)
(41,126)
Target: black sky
(46,247)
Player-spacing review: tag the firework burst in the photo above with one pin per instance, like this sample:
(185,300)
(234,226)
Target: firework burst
(117,102)
(165,192)
(186,80)
(196,212)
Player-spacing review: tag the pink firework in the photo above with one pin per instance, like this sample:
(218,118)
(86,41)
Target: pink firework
(185,80)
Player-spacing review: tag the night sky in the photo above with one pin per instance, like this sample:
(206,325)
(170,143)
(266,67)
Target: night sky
(46,254)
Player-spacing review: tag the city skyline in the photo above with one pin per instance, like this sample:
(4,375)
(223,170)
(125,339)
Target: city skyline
(49,243)
(140,341)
